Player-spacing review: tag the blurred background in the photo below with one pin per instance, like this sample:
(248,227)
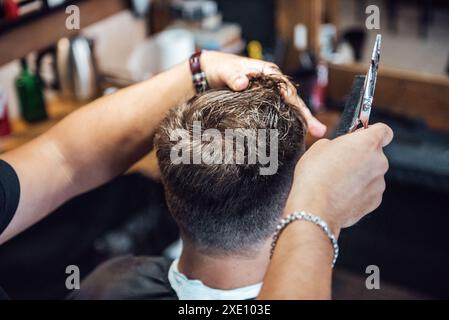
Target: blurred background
(49,67)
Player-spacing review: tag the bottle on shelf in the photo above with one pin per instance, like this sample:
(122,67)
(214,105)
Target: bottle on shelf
(30,93)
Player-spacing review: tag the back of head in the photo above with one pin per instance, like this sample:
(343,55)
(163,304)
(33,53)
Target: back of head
(227,161)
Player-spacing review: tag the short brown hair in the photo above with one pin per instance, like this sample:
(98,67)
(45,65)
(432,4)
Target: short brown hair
(226,208)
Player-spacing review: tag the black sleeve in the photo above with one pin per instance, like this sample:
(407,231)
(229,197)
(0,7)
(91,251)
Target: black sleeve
(9,194)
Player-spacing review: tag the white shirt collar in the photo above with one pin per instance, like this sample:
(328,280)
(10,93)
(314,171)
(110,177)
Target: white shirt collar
(187,289)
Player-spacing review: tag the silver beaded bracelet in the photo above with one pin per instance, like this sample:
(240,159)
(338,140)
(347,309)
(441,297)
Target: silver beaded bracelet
(301,215)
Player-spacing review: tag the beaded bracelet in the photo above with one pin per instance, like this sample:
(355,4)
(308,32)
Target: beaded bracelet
(301,215)
(198,76)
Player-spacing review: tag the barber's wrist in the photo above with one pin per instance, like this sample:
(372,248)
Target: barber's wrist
(204,60)
(208,60)
(318,208)
(182,77)
(199,78)
(303,236)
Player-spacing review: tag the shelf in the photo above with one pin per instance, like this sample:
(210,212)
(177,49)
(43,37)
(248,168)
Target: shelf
(8,25)
(23,132)
(44,29)
(405,93)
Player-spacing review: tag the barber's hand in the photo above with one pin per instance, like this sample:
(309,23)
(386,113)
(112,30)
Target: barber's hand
(342,180)
(224,69)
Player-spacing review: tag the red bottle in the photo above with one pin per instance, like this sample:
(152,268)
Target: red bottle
(5,127)
(11,9)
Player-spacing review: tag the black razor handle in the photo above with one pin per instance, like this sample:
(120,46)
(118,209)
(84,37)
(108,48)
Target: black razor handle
(349,112)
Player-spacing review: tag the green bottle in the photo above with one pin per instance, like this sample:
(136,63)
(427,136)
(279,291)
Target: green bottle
(30,92)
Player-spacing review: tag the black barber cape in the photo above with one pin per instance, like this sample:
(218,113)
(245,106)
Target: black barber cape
(128,278)
(9,199)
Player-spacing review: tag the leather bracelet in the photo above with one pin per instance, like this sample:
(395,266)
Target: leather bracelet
(198,76)
(301,215)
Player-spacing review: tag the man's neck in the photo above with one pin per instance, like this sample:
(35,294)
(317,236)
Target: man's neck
(225,272)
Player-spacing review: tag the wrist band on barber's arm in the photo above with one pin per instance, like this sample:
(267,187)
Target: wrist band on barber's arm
(198,76)
(301,215)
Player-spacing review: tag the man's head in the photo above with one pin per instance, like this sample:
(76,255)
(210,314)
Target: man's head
(222,202)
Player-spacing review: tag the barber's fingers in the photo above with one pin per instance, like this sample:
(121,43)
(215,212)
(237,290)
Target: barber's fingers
(238,82)
(239,78)
(382,133)
(289,93)
(315,127)
(376,135)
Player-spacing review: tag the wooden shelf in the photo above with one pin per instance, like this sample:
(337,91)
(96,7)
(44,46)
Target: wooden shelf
(23,132)
(406,93)
(7,25)
(41,32)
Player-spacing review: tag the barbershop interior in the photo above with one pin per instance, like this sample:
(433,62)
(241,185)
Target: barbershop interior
(57,56)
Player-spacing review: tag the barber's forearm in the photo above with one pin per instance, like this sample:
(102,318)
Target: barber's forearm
(301,265)
(106,137)
(92,145)
(300,268)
